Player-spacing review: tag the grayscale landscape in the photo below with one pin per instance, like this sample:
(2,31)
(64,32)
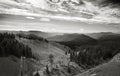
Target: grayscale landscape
(59,38)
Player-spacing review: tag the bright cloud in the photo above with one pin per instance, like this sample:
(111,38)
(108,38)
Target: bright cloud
(30,17)
(40,8)
(45,19)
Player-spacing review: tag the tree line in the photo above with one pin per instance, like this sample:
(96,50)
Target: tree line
(88,56)
(10,46)
(32,37)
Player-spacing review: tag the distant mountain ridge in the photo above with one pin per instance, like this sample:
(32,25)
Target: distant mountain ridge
(44,34)
(37,33)
(42,49)
(105,36)
(85,39)
(73,39)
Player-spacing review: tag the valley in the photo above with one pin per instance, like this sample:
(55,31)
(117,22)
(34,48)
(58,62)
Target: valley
(71,54)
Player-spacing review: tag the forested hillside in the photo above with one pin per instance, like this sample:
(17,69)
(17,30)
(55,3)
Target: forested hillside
(65,55)
(90,50)
(37,52)
(10,46)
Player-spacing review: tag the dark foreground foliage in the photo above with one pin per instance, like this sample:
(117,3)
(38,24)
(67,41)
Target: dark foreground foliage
(10,46)
(88,56)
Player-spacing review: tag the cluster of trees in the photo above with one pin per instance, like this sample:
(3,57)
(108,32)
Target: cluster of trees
(32,37)
(10,46)
(88,56)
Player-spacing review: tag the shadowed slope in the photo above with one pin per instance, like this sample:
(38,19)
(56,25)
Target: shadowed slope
(111,68)
(8,67)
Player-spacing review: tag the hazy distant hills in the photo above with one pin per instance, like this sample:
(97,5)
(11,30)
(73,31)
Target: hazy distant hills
(37,33)
(95,36)
(99,35)
(103,35)
(66,37)
(73,39)
(80,39)
(44,34)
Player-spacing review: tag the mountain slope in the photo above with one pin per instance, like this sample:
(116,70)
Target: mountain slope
(111,68)
(42,49)
(73,39)
(44,34)
(104,36)
(37,33)
(8,67)
(98,35)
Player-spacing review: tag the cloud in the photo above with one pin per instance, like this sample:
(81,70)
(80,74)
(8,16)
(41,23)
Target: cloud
(115,2)
(30,17)
(11,27)
(90,11)
(38,3)
(45,19)
(82,29)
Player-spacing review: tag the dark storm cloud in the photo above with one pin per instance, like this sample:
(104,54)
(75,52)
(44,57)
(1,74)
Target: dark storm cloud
(86,16)
(104,3)
(113,1)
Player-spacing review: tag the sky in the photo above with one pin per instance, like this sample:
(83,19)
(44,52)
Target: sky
(77,16)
